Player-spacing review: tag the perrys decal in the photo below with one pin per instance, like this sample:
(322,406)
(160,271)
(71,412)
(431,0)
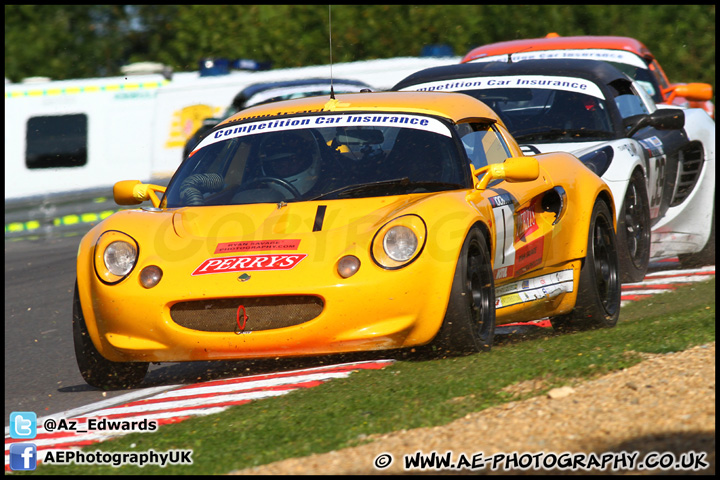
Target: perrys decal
(568,84)
(249,262)
(257,245)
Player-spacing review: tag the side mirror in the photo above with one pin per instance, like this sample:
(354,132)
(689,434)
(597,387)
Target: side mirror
(695,92)
(134,192)
(662,119)
(515,169)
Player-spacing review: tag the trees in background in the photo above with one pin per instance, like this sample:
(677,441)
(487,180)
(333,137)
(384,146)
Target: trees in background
(76,41)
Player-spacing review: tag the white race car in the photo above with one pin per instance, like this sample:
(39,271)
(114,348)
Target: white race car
(658,162)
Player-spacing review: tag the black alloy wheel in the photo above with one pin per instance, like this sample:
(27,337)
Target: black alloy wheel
(469,323)
(598,298)
(634,231)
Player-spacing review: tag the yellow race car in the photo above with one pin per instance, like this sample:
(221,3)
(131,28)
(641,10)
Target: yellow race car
(322,225)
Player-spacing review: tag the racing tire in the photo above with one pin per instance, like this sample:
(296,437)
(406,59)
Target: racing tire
(633,231)
(469,323)
(95,369)
(704,257)
(598,298)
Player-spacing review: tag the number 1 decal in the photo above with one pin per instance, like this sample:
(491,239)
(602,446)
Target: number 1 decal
(504,241)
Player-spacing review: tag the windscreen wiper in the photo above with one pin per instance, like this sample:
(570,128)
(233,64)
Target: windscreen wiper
(428,186)
(540,135)
(363,187)
(584,132)
(559,133)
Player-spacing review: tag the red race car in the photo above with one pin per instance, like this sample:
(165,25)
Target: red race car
(627,54)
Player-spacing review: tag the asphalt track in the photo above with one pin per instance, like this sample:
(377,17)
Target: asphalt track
(41,375)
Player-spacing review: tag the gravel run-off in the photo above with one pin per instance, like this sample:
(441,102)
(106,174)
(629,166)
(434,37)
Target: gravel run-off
(665,404)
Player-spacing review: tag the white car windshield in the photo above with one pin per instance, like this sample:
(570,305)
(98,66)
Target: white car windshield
(544,115)
(537,108)
(329,156)
(625,61)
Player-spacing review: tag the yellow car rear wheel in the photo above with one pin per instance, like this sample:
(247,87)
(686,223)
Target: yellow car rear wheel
(598,299)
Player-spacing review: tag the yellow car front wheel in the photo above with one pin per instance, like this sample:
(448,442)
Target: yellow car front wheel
(96,369)
(469,324)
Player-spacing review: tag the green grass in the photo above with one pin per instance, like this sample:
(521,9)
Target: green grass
(417,393)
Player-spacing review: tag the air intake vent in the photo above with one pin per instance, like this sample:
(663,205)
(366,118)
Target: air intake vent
(263,313)
(689,168)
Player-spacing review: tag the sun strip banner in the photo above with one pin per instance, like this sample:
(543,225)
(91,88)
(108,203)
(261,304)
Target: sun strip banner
(568,84)
(319,121)
(601,54)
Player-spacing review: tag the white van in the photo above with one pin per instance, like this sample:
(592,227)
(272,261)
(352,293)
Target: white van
(69,135)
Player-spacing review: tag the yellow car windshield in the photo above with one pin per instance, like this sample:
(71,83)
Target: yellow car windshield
(321,157)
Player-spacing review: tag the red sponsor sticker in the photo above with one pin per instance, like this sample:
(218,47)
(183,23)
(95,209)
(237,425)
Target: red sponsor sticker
(246,263)
(525,222)
(529,256)
(254,245)
(504,272)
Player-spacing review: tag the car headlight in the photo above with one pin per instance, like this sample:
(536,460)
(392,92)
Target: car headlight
(116,255)
(399,242)
(598,160)
(119,257)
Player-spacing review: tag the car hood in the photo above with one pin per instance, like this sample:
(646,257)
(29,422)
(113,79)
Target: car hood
(627,150)
(261,221)
(320,229)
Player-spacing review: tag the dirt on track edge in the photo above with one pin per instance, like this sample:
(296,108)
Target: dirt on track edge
(665,404)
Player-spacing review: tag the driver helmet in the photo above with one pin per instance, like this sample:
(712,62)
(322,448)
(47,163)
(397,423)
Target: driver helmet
(293,157)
